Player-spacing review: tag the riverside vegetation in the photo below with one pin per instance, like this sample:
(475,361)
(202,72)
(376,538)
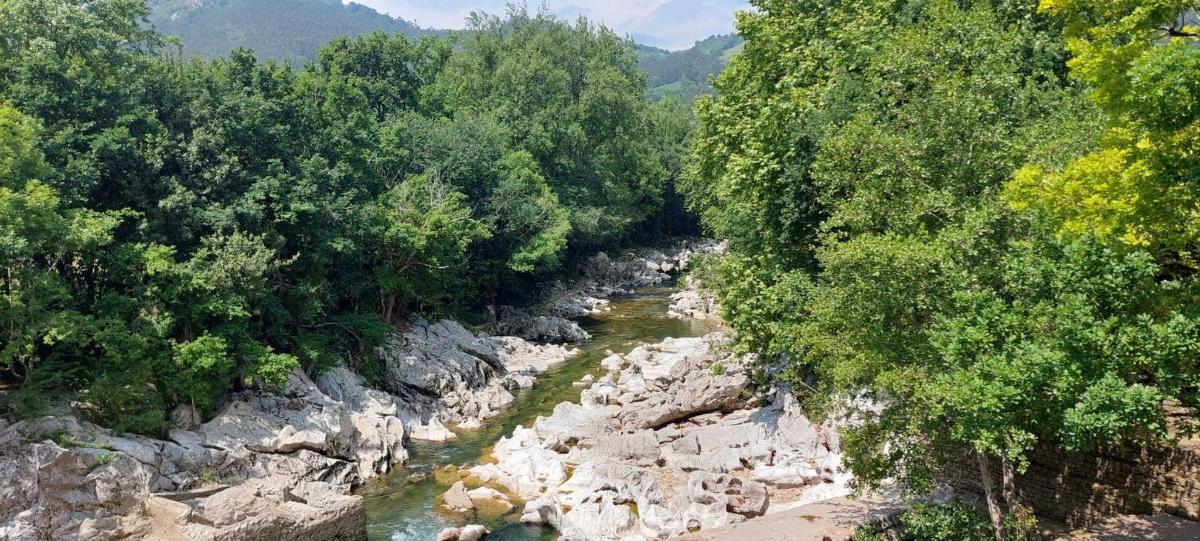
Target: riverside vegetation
(978,217)
(982,213)
(172,230)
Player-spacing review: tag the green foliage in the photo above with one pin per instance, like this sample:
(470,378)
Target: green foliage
(858,158)
(527,213)
(961,521)
(172,230)
(956,521)
(424,229)
(1139,189)
(125,402)
(572,97)
(19,160)
(868,533)
(684,74)
(205,369)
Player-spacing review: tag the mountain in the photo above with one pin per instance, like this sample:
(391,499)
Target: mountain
(293,30)
(685,73)
(285,30)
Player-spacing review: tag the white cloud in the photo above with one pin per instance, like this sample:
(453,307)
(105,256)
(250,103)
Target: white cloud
(673,24)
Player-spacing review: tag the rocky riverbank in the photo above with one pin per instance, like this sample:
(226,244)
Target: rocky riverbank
(276,462)
(695,302)
(670,441)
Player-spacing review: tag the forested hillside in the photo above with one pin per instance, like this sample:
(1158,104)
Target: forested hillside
(172,229)
(292,31)
(285,30)
(684,74)
(982,215)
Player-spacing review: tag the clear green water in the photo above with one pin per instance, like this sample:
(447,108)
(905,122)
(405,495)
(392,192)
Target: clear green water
(402,506)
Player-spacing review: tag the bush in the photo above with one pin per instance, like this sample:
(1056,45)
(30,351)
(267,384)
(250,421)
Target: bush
(125,403)
(959,521)
(868,533)
(955,521)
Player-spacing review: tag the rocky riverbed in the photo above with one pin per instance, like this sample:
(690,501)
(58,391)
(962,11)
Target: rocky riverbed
(280,463)
(669,441)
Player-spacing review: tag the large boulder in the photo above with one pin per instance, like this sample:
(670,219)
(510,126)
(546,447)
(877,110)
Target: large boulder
(520,356)
(84,490)
(669,441)
(379,439)
(693,303)
(457,499)
(598,518)
(678,379)
(473,532)
(437,359)
(273,507)
(525,465)
(291,456)
(543,510)
(306,433)
(622,275)
(544,329)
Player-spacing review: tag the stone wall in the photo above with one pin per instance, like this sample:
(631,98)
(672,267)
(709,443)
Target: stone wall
(1079,489)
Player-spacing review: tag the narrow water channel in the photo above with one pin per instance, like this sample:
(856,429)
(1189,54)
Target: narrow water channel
(402,506)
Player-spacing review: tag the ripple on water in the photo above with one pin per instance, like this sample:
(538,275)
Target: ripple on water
(402,506)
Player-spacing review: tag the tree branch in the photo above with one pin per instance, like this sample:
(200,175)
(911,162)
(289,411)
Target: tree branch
(1177,33)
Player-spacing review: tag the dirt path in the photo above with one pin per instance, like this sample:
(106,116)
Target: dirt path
(1139,528)
(832,520)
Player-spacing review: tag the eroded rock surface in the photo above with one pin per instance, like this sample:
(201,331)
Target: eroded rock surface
(279,465)
(445,375)
(669,441)
(545,329)
(604,276)
(694,302)
(66,479)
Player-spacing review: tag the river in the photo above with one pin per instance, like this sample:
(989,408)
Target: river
(402,506)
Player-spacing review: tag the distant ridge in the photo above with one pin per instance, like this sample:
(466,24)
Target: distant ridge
(286,30)
(293,31)
(685,74)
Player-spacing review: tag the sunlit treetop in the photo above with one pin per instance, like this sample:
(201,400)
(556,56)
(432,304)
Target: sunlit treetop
(1141,187)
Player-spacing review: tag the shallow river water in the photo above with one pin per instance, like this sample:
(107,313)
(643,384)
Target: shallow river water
(402,506)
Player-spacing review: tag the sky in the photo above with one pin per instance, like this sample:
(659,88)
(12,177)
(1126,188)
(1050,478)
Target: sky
(670,24)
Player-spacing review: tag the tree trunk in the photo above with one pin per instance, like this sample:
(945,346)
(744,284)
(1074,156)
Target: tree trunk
(985,473)
(1008,478)
(389,306)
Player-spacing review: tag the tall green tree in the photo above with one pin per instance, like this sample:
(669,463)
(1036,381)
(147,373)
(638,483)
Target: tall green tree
(572,96)
(856,158)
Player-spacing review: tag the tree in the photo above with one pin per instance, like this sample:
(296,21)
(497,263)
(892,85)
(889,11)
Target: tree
(424,229)
(572,96)
(42,244)
(173,230)
(527,215)
(1140,188)
(855,157)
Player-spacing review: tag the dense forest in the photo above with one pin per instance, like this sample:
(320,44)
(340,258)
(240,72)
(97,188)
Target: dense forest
(290,31)
(979,217)
(982,214)
(685,74)
(172,229)
(285,30)
(293,31)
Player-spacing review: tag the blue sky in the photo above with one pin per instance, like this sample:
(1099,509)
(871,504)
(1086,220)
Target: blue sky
(671,24)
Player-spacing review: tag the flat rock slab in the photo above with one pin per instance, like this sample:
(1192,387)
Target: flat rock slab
(833,520)
(1139,528)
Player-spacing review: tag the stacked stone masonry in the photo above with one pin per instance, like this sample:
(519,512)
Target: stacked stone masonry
(1080,489)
